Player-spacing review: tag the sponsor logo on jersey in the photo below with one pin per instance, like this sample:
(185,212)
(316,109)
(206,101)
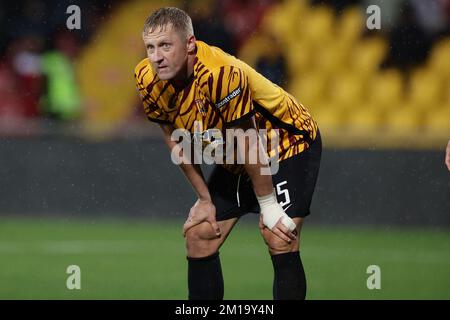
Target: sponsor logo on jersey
(228,98)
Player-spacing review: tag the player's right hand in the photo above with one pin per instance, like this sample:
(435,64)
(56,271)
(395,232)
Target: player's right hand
(201,211)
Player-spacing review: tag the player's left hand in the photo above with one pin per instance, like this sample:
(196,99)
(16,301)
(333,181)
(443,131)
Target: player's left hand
(202,211)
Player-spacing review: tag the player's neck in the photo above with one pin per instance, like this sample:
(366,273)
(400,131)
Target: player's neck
(185,76)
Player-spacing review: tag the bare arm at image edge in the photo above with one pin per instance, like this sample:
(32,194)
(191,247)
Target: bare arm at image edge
(447,155)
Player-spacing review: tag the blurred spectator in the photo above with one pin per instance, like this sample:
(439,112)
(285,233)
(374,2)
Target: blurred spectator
(272,63)
(447,11)
(34,82)
(12,106)
(27,17)
(209,26)
(431,16)
(61,99)
(242,17)
(22,57)
(409,45)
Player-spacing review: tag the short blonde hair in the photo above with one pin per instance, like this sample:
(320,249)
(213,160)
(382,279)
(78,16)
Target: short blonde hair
(179,19)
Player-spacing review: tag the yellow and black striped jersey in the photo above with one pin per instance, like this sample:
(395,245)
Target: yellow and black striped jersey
(221,92)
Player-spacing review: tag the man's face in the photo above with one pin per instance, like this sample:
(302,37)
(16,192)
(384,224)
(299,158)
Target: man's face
(167,51)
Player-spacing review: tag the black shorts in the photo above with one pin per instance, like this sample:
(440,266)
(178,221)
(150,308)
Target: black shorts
(294,183)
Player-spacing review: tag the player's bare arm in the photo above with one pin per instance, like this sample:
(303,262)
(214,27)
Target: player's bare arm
(283,227)
(447,155)
(203,209)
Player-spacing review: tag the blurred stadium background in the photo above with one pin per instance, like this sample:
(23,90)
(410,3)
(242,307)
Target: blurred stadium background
(86,180)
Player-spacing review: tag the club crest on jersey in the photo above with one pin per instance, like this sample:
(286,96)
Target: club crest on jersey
(200,106)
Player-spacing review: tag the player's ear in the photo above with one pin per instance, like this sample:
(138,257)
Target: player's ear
(191,44)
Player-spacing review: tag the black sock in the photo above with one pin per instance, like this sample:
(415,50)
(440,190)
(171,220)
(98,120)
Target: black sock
(205,280)
(289,282)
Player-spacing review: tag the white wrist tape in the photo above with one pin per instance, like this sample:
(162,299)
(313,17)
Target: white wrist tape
(272,211)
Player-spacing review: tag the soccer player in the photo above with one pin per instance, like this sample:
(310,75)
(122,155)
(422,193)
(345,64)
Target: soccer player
(185,82)
(447,155)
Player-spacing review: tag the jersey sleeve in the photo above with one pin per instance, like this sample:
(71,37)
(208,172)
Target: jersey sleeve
(152,110)
(229,91)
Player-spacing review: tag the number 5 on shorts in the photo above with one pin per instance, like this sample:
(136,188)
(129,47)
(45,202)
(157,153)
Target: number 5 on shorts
(285,192)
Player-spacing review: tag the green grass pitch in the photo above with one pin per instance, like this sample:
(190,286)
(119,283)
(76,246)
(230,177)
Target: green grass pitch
(145,259)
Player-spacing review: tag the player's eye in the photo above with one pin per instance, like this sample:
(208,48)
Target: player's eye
(166,45)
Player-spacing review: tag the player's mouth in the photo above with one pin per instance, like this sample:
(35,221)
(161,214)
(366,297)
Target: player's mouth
(162,68)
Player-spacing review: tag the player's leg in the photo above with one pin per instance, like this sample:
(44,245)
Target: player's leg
(289,276)
(294,183)
(205,280)
(201,240)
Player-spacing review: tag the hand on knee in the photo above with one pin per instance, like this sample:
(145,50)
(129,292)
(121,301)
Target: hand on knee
(201,241)
(277,245)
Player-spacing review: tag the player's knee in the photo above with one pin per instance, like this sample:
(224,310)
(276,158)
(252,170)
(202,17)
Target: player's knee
(201,241)
(277,245)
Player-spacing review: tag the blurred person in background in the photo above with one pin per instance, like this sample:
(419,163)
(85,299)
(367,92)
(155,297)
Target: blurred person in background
(12,105)
(409,44)
(22,58)
(61,98)
(272,63)
(243,17)
(208,21)
(431,16)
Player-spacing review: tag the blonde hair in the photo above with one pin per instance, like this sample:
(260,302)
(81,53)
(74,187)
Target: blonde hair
(179,19)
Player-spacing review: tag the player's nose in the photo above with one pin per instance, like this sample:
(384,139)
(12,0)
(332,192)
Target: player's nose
(156,56)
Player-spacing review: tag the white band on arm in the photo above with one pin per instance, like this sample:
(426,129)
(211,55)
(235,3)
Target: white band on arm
(272,211)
